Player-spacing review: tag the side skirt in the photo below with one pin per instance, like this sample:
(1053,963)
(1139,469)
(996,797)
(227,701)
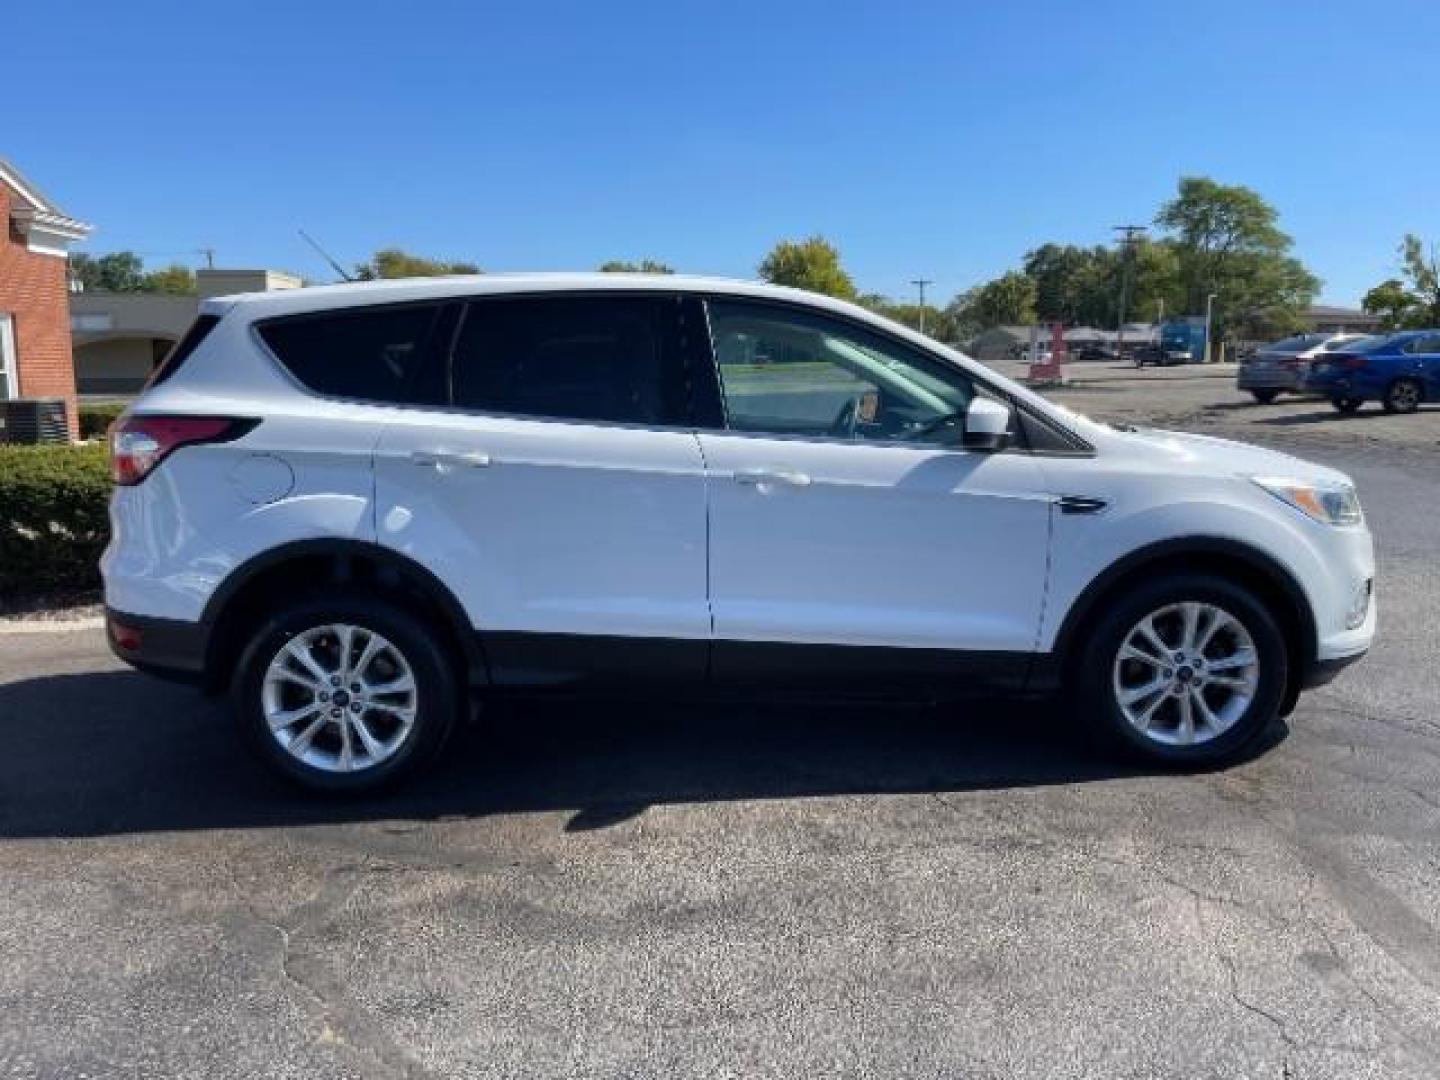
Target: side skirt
(582,663)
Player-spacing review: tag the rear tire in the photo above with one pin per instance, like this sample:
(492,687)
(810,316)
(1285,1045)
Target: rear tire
(345,693)
(1210,697)
(1347,405)
(1403,396)
(1264,397)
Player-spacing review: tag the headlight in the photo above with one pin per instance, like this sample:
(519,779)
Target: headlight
(1326,502)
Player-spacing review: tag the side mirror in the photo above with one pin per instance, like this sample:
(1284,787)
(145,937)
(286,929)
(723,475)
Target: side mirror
(987,425)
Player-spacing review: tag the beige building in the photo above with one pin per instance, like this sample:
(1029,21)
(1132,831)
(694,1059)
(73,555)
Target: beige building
(120,337)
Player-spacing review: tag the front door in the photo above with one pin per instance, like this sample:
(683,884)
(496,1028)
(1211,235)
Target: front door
(554,486)
(846,526)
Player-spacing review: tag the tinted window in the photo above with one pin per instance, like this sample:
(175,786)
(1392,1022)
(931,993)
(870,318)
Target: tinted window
(572,358)
(188,343)
(1366,344)
(792,372)
(371,354)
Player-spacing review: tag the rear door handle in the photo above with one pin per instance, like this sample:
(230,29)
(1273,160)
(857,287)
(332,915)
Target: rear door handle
(761,477)
(445,459)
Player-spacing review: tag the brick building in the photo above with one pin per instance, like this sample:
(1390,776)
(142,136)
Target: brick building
(35,356)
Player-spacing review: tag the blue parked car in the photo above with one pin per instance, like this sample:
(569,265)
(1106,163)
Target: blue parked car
(1398,370)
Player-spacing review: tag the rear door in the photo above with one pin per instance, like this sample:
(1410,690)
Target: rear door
(552,483)
(850,537)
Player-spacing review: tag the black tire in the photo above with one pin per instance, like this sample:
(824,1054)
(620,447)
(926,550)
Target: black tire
(1264,397)
(1347,405)
(1097,664)
(438,696)
(1403,396)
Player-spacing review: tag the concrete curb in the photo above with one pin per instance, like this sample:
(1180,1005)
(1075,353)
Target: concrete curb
(50,626)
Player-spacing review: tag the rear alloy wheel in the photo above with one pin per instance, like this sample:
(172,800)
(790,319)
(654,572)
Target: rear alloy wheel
(1188,670)
(1347,405)
(346,694)
(1264,397)
(1403,396)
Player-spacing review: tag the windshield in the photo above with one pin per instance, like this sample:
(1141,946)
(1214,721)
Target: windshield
(1341,343)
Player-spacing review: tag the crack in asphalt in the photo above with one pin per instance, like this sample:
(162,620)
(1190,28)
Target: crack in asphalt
(345,1023)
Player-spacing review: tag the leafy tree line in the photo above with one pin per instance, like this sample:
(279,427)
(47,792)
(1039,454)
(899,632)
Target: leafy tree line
(1214,238)
(124,271)
(1411,301)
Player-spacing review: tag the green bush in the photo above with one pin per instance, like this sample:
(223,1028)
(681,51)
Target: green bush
(95,418)
(53,517)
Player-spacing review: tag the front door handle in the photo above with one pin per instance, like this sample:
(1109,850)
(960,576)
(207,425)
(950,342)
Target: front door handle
(764,477)
(445,459)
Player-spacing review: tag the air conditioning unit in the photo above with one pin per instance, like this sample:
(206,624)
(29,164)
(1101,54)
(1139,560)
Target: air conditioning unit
(33,420)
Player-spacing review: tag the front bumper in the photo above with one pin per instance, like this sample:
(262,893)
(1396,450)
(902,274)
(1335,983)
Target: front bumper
(170,648)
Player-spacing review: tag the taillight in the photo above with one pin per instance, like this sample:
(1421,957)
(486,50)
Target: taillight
(1349,363)
(139,443)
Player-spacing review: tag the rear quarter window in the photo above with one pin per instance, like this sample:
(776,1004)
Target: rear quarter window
(188,343)
(371,354)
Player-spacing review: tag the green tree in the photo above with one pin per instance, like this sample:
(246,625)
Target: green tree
(1227,241)
(394,263)
(812,264)
(1415,301)
(938,322)
(1393,302)
(1008,300)
(119,271)
(644,266)
(174,279)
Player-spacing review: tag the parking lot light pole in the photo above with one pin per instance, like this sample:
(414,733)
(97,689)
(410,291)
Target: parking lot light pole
(1209,313)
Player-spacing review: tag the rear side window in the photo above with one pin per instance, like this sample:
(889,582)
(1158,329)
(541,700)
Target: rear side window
(571,358)
(188,343)
(372,354)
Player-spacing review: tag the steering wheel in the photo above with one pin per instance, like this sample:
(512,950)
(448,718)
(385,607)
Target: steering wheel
(847,419)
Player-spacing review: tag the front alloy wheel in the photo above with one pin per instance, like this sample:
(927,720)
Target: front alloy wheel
(1183,669)
(1185,674)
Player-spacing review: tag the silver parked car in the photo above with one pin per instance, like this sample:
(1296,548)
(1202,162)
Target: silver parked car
(1282,365)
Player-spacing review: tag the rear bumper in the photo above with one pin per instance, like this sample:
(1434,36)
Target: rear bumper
(170,648)
(1269,379)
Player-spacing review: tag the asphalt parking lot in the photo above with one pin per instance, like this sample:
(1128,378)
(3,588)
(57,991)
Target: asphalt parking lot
(668,889)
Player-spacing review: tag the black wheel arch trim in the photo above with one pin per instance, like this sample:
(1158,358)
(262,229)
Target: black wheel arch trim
(464,631)
(1274,572)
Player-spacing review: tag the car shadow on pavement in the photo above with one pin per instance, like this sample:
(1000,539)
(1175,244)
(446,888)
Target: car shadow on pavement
(112,753)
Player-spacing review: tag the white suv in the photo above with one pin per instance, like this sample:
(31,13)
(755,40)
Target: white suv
(353,505)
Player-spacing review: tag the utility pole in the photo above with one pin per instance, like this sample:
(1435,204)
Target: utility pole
(1129,236)
(920,284)
(1209,317)
(209,254)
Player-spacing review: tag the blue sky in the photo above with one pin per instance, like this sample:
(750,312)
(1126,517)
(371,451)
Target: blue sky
(929,139)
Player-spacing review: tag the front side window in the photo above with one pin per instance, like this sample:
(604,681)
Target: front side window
(371,354)
(1424,345)
(789,372)
(596,358)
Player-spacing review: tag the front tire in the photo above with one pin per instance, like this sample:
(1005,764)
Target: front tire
(1264,397)
(1186,670)
(1403,396)
(1347,405)
(345,693)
